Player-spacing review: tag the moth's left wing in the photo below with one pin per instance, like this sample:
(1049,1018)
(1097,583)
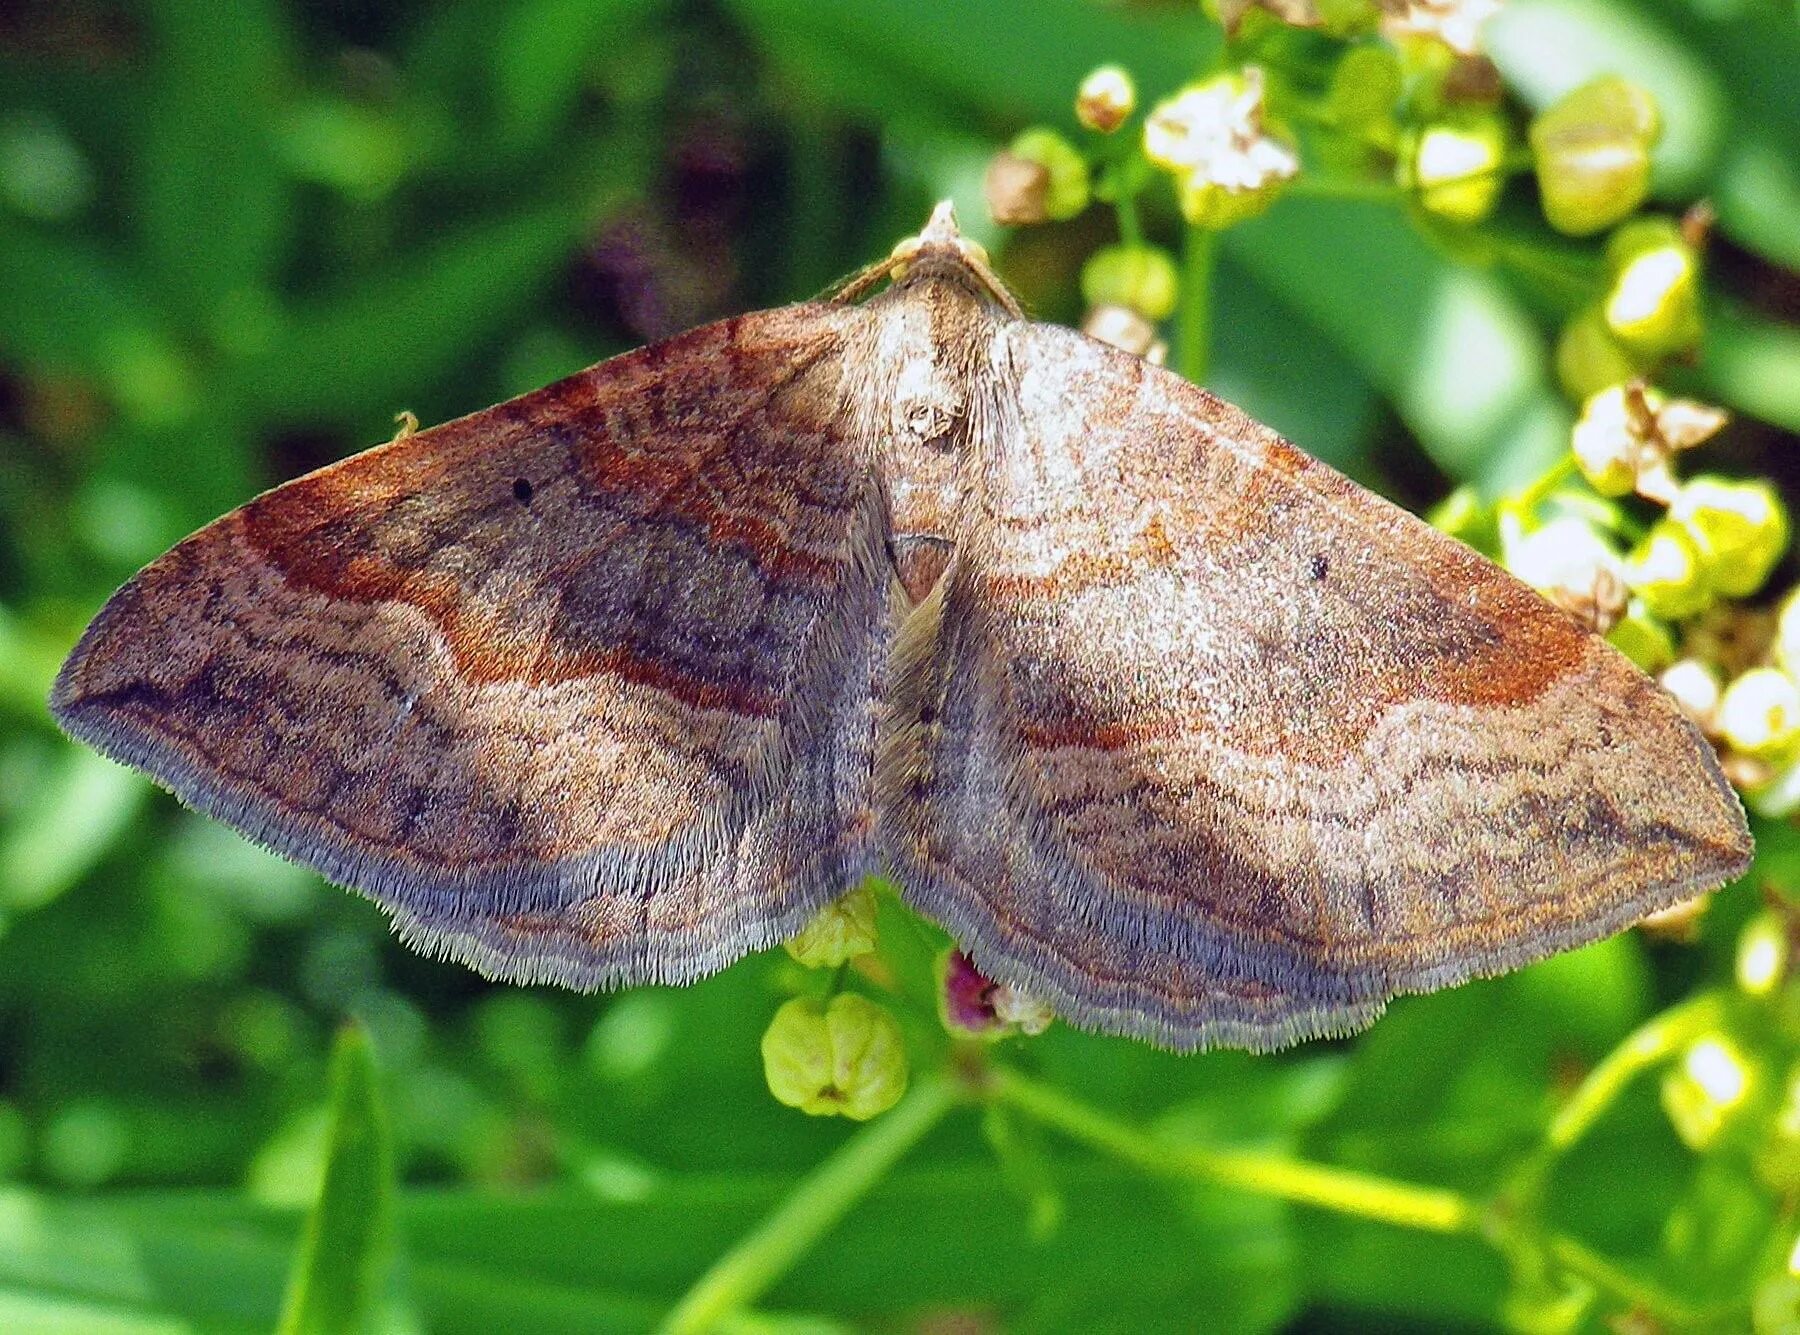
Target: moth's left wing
(1199,741)
(579,688)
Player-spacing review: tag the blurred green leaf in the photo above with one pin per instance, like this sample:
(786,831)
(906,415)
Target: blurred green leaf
(345,1248)
(68,826)
(213,208)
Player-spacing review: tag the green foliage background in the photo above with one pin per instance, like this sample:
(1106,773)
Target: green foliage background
(236,239)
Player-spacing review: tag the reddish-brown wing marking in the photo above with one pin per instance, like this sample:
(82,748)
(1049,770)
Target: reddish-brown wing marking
(1204,743)
(580,687)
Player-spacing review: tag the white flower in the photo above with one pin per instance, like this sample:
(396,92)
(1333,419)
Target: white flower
(1455,23)
(1214,131)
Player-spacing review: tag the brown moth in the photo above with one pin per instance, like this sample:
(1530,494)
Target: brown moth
(1170,725)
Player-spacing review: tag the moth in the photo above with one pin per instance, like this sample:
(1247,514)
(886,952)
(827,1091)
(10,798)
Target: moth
(1171,726)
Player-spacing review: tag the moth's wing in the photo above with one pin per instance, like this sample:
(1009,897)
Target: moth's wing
(1201,742)
(578,687)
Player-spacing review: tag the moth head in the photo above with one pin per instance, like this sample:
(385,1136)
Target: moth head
(940,248)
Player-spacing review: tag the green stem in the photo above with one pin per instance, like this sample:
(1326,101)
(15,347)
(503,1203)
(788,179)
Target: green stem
(1650,1045)
(1399,1203)
(763,1255)
(1131,231)
(1574,278)
(1540,488)
(1195,315)
(1628,1289)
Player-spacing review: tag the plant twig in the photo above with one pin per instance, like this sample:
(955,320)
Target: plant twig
(1195,315)
(763,1255)
(1402,1204)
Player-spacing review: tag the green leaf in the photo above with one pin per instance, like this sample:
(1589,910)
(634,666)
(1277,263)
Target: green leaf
(211,200)
(344,1251)
(543,50)
(69,824)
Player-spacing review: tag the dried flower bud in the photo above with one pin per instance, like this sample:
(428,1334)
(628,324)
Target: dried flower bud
(1456,24)
(1678,922)
(1106,99)
(1455,164)
(1592,148)
(1213,137)
(974,1005)
(1472,80)
(1123,328)
(1040,177)
(1628,435)
(846,1058)
(1141,278)
(1697,689)
(837,933)
(1653,306)
(1759,713)
(1017,189)
(1740,530)
(1230,14)
(1589,359)
(1732,636)
(1573,566)
(1666,571)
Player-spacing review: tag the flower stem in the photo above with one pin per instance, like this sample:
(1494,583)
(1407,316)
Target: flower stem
(1131,231)
(764,1254)
(1195,328)
(1399,1203)
(1651,1044)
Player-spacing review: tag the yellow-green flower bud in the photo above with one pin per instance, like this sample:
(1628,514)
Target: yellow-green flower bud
(1068,192)
(1592,149)
(1740,530)
(1140,278)
(1667,573)
(1759,713)
(837,933)
(1653,306)
(1787,633)
(1455,163)
(1701,1092)
(1216,207)
(846,1058)
(1105,99)
(1461,514)
(1365,87)
(1762,953)
(1589,359)
(1642,638)
(1347,18)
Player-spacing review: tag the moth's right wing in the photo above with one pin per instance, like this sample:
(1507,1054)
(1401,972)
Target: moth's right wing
(1199,741)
